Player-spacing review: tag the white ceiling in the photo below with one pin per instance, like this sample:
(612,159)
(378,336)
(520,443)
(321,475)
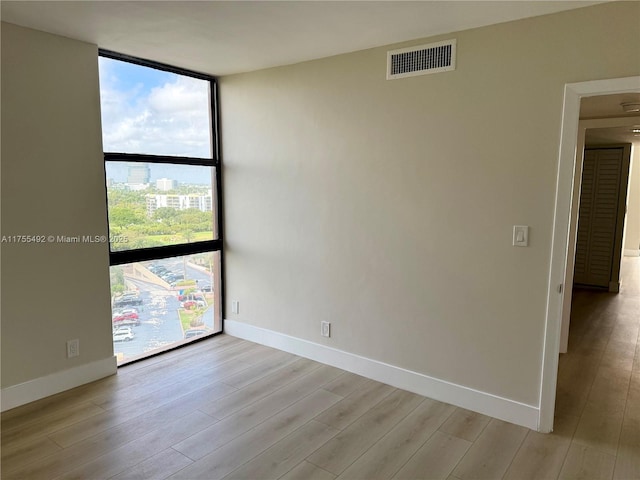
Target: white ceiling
(222,38)
(609,106)
(600,136)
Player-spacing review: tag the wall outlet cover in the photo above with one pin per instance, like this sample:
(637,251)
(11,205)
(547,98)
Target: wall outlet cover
(325,329)
(73,348)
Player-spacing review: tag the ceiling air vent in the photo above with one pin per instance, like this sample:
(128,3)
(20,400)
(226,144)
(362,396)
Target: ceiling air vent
(421,60)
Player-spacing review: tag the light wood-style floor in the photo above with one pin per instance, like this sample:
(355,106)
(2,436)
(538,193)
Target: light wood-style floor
(227,408)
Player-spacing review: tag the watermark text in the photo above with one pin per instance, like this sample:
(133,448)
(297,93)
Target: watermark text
(64,239)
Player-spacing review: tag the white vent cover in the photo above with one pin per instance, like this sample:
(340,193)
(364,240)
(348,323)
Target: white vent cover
(421,60)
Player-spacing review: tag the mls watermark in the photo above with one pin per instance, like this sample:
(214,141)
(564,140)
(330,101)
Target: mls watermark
(64,239)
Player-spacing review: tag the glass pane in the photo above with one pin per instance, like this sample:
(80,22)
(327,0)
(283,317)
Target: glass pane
(163,303)
(157,204)
(149,111)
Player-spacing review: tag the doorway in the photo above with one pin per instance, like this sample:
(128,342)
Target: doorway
(565,222)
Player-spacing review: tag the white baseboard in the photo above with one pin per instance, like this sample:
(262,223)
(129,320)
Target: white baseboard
(631,253)
(38,388)
(458,395)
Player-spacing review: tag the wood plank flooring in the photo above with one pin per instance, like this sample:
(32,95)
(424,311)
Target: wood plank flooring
(229,409)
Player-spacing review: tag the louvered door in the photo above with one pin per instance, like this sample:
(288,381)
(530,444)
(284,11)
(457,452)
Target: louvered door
(598,216)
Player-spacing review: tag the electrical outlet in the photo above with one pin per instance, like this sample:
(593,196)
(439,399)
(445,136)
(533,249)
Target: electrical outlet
(325,329)
(73,348)
(235,306)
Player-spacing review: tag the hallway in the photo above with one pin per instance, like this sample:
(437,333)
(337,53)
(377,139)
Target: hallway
(598,393)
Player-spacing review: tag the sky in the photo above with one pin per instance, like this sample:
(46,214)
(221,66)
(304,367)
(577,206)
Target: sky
(145,110)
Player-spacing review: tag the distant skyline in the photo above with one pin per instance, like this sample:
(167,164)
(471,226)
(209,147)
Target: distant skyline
(193,174)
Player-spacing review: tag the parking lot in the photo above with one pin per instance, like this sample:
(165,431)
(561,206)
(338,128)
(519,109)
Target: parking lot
(157,326)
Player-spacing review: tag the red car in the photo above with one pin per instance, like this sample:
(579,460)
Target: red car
(189,304)
(127,321)
(125,315)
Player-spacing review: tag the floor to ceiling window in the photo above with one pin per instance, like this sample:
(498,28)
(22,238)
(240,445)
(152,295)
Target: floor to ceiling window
(163,197)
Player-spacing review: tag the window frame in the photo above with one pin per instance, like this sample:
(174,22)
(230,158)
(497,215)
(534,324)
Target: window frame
(216,245)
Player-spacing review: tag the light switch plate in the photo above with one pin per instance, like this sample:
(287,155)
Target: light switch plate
(520,236)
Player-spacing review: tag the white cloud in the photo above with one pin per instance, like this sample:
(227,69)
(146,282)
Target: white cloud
(186,95)
(171,119)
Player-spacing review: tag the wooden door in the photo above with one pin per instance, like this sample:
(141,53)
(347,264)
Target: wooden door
(601,216)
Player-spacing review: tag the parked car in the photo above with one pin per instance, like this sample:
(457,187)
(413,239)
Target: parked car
(126,302)
(190,296)
(130,293)
(194,332)
(123,334)
(190,304)
(127,316)
(126,321)
(119,321)
(127,299)
(126,313)
(206,288)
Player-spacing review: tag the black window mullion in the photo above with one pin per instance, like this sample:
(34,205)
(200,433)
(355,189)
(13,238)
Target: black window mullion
(214,111)
(142,158)
(153,253)
(151,64)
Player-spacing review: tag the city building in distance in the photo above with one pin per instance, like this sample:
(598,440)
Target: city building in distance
(165,184)
(139,173)
(200,202)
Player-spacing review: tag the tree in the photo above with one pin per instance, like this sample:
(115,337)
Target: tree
(188,235)
(166,215)
(122,216)
(117,280)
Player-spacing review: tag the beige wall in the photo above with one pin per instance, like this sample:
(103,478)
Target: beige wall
(52,184)
(632,226)
(386,207)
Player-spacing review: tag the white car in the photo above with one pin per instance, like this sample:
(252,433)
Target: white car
(123,334)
